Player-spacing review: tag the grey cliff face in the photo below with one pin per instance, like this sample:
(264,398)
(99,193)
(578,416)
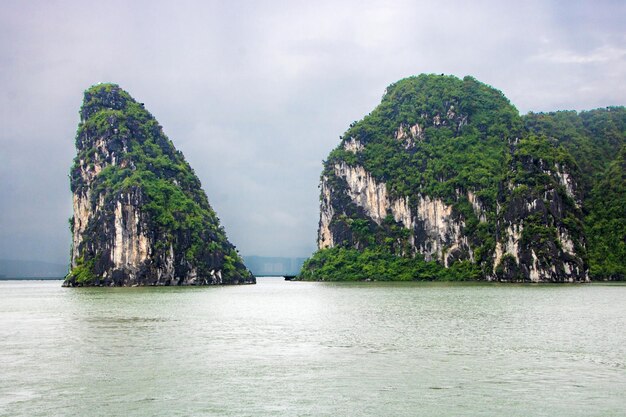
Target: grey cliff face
(549,249)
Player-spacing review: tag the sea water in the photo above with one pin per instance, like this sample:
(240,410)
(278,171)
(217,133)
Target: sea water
(313,349)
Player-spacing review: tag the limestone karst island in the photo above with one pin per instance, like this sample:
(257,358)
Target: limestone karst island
(140,215)
(445,180)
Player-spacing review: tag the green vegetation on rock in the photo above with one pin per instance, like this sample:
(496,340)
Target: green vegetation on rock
(595,140)
(489,193)
(606,222)
(83,272)
(349,264)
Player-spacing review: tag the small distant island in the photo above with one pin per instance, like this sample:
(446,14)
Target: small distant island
(444,180)
(140,214)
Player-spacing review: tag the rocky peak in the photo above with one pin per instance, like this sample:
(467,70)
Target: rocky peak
(140,215)
(103,97)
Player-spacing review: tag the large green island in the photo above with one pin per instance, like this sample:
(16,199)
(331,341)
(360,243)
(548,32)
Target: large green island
(445,180)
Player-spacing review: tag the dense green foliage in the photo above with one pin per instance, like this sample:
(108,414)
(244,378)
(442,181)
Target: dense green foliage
(83,272)
(593,138)
(139,159)
(606,222)
(348,264)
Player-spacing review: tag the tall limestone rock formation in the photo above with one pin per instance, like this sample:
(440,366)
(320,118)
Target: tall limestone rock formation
(444,181)
(140,215)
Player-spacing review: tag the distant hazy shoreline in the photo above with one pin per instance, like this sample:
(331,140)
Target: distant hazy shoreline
(30,270)
(31,278)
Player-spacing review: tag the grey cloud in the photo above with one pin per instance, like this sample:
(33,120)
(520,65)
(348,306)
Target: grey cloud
(256,93)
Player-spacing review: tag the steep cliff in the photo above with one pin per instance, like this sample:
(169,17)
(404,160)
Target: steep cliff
(140,215)
(596,141)
(443,180)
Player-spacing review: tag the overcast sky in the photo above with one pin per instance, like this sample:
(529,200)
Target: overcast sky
(256,93)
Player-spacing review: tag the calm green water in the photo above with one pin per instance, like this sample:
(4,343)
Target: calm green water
(313,349)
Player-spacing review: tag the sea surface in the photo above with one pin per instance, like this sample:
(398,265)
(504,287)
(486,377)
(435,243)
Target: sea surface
(313,349)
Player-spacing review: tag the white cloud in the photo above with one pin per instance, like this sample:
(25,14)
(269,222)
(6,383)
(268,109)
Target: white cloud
(603,54)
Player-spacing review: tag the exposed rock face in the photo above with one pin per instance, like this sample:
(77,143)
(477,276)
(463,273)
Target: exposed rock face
(364,191)
(436,232)
(353,145)
(325,237)
(410,178)
(544,250)
(140,215)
